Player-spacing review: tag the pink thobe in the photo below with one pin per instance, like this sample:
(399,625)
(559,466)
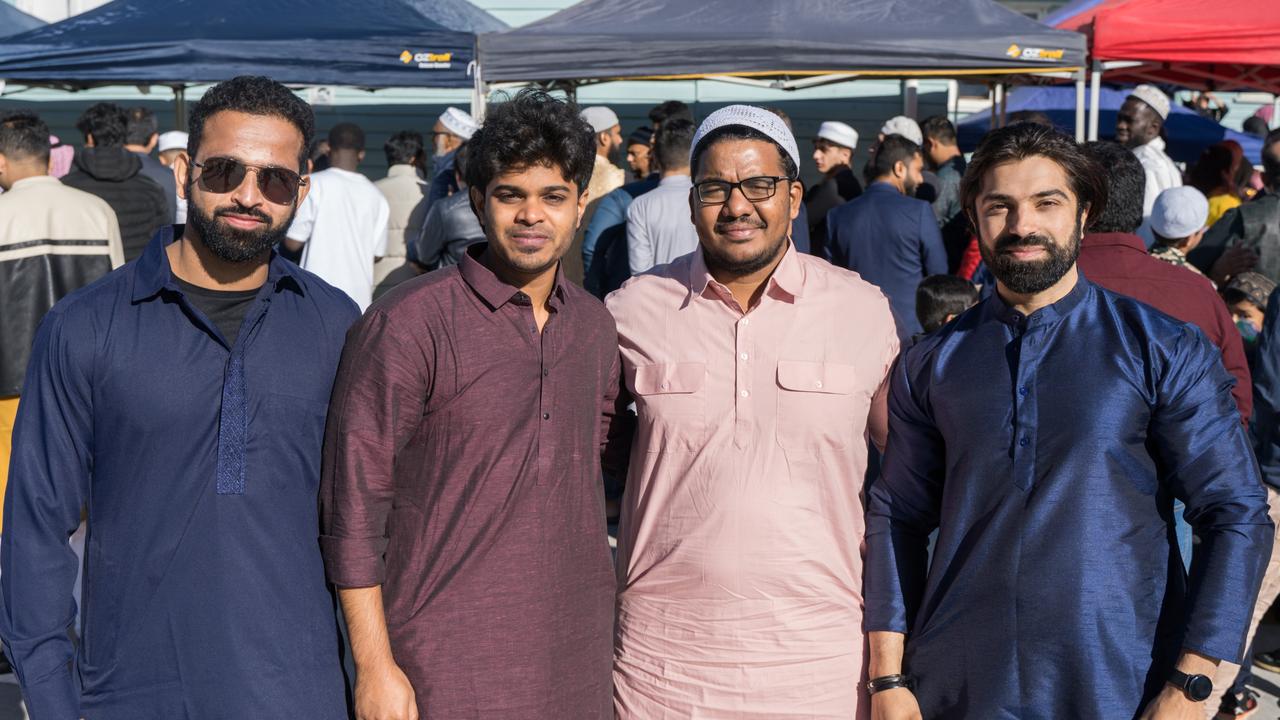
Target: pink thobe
(740,550)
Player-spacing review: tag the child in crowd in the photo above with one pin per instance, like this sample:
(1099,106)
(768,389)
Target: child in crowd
(1178,221)
(1246,297)
(939,298)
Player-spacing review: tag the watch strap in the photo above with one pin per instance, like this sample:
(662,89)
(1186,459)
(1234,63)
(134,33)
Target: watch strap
(889,682)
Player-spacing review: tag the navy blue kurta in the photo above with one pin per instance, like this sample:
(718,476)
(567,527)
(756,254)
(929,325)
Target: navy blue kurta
(204,593)
(1047,451)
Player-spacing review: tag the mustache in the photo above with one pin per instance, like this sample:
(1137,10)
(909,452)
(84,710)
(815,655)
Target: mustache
(744,220)
(238,210)
(1009,241)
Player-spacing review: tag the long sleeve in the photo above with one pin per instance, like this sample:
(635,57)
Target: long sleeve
(903,507)
(933,254)
(380,228)
(1266,395)
(800,231)
(610,211)
(639,245)
(377,405)
(1203,454)
(48,486)
(833,252)
(430,244)
(303,220)
(1233,358)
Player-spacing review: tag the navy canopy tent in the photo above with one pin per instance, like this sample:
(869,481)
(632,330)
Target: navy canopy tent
(14,21)
(371,43)
(831,39)
(1187,133)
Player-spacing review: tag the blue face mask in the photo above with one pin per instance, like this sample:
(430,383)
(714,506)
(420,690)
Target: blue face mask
(1248,332)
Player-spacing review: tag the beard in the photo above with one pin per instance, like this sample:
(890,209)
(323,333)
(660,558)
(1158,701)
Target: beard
(1027,277)
(717,259)
(233,245)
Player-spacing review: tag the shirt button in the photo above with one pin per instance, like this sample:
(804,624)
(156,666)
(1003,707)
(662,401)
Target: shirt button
(1023,442)
(818,384)
(746,321)
(1023,390)
(545,372)
(546,416)
(665,385)
(744,393)
(743,356)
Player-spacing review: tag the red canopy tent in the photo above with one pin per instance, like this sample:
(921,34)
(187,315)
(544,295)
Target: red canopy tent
(1202,44)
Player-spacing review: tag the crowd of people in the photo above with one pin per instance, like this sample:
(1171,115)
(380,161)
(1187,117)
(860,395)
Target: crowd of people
(936,438)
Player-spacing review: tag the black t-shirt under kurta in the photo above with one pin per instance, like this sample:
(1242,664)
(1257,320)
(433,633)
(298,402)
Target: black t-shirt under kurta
(224,308)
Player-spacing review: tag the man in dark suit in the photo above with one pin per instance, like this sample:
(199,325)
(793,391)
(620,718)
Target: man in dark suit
(886,235)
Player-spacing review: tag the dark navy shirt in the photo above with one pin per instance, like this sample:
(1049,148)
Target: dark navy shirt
(198,465)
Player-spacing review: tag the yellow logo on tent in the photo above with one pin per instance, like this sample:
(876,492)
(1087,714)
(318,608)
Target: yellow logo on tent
(1034,54)
(1014,51)
(406,57)
(428,60)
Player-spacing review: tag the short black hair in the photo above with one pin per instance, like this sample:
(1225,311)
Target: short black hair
(741,132)
(1030,116)
(253,95)
(671,144)
(1126,182)
(1024,140)
(346,136)
(938,296)
(939,129)
(670,110)
(24,136)
(1271,157)
(403,148)
(533,128)
(106,122)
(893,149)
(140,126)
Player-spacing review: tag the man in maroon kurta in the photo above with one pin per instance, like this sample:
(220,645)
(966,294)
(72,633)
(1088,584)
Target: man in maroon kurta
(462,511)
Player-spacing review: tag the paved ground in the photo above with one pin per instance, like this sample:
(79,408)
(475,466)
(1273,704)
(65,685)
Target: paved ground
(1267,683)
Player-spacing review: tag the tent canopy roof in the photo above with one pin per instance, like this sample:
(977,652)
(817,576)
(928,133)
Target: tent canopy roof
(14,21)
(372,43)
(669,39)
(1205,44)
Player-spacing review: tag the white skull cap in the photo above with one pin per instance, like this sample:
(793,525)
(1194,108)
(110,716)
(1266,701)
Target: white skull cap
(904,126)
(1153,96)
(459,122)
(756,118)
(838,133)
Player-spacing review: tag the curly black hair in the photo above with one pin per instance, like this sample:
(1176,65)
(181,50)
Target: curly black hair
(1126,183)
(255,95)
(106,122)
(403,148)
(533,128)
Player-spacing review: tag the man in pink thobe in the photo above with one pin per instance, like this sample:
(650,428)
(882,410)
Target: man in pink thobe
(758,374)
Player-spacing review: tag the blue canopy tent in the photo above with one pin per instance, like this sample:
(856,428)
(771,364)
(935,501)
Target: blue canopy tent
(369,44)
(1187,133)
(14,21)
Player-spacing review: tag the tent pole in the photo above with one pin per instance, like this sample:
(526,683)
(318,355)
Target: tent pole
(1080,132)
(180,107)
(479,92)
(953,100)
(911,98)
(991,95)
(1095,95)
(1002,103)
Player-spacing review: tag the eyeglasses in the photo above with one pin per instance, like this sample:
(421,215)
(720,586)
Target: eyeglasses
(755,189)
(223,174)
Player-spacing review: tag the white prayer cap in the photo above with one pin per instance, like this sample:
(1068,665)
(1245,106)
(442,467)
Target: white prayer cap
(1179,212)
(172,140)
(756,118)
(459,122)
(599,117)
(904,126)
(1153,96)
(838,133)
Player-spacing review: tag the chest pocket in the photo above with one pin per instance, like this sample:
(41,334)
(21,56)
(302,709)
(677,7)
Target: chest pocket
(817,404)
(671,405)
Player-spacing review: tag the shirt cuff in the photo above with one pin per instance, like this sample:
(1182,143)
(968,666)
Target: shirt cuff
(54,697)
(354,562)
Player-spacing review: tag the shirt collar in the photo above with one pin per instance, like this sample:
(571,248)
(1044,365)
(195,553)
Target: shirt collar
(401,170)
(35,180)
(787,277)
(492,289)
(682,179)
(152,272)
(882,186)
(1047,315)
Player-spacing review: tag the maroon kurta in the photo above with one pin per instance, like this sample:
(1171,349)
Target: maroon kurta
(461,472)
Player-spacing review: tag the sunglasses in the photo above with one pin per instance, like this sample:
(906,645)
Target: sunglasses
(223,174)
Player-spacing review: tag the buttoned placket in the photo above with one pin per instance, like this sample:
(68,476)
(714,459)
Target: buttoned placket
(233,414)
(545,344)
(1029,333)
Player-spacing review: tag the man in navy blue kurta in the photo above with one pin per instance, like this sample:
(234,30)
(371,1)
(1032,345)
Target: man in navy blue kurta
(1045,434)
(180,402)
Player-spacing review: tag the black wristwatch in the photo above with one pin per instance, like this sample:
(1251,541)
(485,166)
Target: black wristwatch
(1196,687)
(888,682)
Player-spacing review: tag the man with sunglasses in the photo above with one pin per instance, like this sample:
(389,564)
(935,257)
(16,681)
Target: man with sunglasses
(167,402)
(758,372)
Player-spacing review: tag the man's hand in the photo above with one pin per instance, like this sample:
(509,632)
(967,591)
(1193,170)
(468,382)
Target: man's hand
(1172,704)
(1233,261)
(895,704)
(384,693)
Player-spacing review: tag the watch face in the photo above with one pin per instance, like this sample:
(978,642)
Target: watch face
(1199,687)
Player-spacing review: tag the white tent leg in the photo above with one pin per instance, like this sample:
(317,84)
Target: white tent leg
(1095,95)
(479,92)
(1080,130)
(953,100)
(911,98)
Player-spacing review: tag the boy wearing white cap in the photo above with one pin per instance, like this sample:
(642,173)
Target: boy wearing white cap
(1138,127)
(1178,223)
(833,149)
(606,177)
